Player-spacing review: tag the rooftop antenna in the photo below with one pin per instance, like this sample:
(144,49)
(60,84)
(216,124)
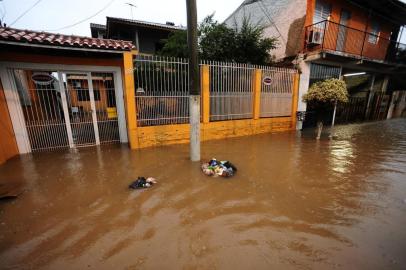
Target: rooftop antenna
(131,8)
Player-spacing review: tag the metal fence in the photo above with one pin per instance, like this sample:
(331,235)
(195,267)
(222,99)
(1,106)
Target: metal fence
(231,87)
(43,112)
(64,109)
(162,93)
(276,92)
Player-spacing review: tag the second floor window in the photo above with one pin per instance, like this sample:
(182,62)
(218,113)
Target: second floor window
(322,11)
(373,37)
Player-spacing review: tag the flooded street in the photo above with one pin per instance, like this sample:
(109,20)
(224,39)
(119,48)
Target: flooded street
(295,203)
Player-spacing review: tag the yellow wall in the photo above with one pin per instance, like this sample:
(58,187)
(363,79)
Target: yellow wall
(129,98)
(177,134)
(141,137)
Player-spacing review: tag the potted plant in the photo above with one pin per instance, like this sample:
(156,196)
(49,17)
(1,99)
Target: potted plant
(323,95)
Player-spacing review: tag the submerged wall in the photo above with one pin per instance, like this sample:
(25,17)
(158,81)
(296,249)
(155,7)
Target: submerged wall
(158,135)
(177,134)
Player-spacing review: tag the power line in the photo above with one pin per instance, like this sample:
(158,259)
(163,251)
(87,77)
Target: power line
(25,12)
(83,20)
(267,14)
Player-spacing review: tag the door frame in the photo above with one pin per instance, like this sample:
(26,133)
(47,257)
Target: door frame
(14,105)
(64,94)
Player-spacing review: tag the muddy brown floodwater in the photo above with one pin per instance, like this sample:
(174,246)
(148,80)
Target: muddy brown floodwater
(295,203)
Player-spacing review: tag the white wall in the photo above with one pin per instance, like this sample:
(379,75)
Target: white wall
(285,14)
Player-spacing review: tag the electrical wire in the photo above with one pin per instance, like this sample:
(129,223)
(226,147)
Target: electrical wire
(25,12)
(84,20)
(267,14)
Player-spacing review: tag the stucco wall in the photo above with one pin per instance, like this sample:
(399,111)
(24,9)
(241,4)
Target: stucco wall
(288,16)
(8,145)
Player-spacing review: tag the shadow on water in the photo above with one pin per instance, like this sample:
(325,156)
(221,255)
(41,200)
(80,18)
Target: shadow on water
(294,203)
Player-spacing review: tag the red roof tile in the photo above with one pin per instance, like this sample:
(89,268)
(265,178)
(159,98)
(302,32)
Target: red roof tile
(44,38)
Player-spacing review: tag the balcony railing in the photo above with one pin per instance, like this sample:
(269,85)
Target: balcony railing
(341,39)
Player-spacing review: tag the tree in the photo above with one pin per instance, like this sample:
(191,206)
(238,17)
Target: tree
(322,95)
(251,47)
(218,42)
(175,45)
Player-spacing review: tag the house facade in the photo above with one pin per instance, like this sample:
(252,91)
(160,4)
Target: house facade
(61,91)
(355,40)
(147,36)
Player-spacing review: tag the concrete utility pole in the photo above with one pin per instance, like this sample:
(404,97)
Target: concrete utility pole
(194,81)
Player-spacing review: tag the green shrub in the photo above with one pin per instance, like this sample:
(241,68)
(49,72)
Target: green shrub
(327,92)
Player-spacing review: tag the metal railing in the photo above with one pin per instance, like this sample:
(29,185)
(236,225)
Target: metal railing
(230,90)
(276,94)
(330,36)
(162,93)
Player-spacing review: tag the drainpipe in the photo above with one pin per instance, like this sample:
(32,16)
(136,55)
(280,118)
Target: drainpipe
(335,108)
(137,40)
(334,119)
(370,95)
(385,84)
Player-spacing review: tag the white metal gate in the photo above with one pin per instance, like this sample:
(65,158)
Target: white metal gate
(276,92)
(67,109)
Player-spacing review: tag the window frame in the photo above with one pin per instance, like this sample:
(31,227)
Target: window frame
(374,34)
(325,6)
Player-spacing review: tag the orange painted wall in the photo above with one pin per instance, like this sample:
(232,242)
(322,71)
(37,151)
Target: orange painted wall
(100,104)
(8,145)
(359,21)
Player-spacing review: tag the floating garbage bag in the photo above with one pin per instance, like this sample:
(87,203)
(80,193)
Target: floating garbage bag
(142,182)
(218,168)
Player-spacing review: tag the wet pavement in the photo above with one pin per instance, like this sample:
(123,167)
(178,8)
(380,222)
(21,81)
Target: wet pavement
(295,203)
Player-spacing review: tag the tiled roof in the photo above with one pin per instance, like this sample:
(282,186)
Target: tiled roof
(148,24)
(59,40)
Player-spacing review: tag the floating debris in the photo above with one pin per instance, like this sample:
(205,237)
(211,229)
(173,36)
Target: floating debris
(218,168)
(142,182)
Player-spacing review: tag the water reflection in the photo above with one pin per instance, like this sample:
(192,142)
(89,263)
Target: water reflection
(341,156)
(295,203)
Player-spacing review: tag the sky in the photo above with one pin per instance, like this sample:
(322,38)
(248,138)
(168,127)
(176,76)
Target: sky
(55,15)
(52,15)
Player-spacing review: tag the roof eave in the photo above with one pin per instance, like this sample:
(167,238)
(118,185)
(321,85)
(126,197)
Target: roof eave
(24,44)
(139,24)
